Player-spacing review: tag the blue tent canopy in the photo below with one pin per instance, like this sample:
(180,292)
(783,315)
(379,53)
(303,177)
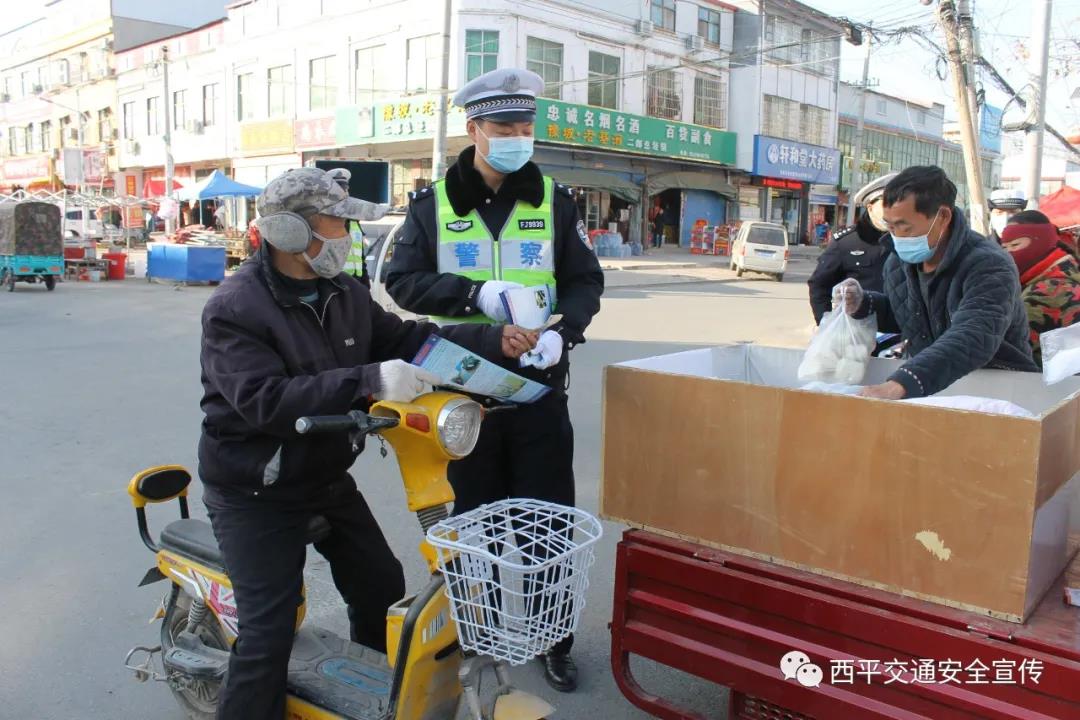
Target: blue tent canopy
(216,185)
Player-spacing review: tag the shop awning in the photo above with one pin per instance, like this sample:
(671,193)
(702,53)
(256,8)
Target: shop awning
(156,188)
(580,177)
(691,180)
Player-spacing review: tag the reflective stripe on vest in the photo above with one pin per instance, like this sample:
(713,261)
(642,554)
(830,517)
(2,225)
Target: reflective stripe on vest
(354,263)
(524,252)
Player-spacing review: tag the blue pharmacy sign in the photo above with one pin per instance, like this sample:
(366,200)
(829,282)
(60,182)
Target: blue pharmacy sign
(990,128)
(790,160)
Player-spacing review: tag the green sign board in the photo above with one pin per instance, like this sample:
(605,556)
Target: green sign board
(557,122)
(587,126)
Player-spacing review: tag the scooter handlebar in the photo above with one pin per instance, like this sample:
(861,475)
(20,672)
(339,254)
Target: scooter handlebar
(329,423)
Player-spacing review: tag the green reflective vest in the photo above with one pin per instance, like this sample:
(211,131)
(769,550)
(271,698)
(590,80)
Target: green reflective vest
(524,252)
(354,263)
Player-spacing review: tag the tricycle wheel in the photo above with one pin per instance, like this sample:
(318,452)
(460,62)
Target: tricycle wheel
(50,282)
(779,277)
(8,278)
(738,272)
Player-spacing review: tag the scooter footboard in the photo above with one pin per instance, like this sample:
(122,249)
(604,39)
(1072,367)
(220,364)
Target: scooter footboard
(793,643)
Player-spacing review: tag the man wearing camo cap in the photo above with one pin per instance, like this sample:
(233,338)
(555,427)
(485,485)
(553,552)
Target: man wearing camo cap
(290,335)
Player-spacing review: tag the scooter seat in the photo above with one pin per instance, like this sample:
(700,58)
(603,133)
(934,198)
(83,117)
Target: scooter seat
(193,538)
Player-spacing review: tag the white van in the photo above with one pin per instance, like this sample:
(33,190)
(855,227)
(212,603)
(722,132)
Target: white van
(760,247)
(94,229)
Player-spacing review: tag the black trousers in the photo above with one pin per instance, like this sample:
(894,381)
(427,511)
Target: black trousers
(263,543)
(523,452)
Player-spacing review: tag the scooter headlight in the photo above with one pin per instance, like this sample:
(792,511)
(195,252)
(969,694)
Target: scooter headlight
(459,426)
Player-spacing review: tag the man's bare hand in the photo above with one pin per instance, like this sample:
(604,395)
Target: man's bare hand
(890,390)
(518,341)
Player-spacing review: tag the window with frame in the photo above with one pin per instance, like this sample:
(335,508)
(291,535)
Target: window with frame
(783,39)
(245,96)
(545,58)
(31,138)
(813,124)
(481,52)
(127,118)
(604,80)
(179,109)
(664,99)
(323,83)
(920,118)
(708,25)
(710,101)
(153,119)
(662,14)
(45,129)
(104,124)
(368,71)
(24,83)
(279,91)
(423,62)
(209,104)
(882,107)
(12,136)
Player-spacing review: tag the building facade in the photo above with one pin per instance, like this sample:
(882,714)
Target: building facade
(58,101)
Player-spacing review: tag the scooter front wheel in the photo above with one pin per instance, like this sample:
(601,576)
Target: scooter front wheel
(197,696)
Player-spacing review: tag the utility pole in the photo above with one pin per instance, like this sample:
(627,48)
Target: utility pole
(438,150)
(856,162)
(1033,139)
(169,167)
(961,81)
(966,31)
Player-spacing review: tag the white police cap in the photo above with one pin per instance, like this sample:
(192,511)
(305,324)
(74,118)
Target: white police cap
(872,190)
(503,95)
(1005,199)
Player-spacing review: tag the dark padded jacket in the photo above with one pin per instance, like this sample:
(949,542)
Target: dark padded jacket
(269,358)
(859,252)
(976,318)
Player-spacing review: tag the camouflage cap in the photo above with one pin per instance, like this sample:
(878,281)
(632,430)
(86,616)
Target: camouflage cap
(309,191)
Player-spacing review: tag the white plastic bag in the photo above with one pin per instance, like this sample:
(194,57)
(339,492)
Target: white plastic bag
(840,350)
(832,388)
(974,404)
(1060,353)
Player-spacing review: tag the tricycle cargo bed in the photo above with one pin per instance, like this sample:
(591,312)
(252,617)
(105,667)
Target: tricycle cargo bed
(30,228)
(967,509)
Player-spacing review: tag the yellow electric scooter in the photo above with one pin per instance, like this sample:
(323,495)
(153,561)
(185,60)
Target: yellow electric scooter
(424,675)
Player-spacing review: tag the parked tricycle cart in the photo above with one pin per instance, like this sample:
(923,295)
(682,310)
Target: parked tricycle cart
(31,244)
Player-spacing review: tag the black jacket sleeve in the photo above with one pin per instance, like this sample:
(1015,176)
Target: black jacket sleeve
(241,365)
(392,337)
(413,279)
(578,276)
(975,333)
(826,275)
(878,304)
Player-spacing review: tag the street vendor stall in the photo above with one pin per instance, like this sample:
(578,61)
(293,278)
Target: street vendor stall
(217,186)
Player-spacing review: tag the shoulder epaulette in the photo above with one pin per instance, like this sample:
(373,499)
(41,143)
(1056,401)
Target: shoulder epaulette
(564,189)
(421,193)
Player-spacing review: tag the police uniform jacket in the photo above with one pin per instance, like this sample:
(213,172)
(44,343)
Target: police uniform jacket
(413,279)
(859,252)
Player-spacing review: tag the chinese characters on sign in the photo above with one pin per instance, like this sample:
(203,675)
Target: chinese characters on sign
(415,117)
(316,132)
(531,254)
(566,123)
(267,136)
(775,157)
(26,169)
(936,672)
(467,253)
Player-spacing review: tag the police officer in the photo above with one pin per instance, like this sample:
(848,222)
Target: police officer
(857,251)
(496,222)
(1004,203)
(288,335)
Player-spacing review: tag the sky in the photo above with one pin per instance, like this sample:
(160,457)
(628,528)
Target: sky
(1003,27)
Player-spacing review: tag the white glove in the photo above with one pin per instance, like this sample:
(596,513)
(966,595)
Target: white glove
(849,295)
(402,382)
(548,351)
(490,302)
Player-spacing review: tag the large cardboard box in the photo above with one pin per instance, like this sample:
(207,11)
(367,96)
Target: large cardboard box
(963,508)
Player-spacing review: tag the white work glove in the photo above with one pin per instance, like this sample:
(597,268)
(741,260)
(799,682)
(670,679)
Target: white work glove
(849,295)
(490,302)
(548,351)
(403,382)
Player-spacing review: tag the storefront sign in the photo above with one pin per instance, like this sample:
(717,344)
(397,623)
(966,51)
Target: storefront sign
(264,138)
(583,125)
(130,185)
(353,124)
(796,161)
(315,132)
(409,118)
(82,166)
(26,169)
(778,183)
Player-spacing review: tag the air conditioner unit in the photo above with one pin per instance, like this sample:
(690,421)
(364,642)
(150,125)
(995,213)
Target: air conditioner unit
(195,127)
(114,133)
(63,73)
(645,27)
(37,89)
(131,146)
(695,43)
(72,135)
(5,97)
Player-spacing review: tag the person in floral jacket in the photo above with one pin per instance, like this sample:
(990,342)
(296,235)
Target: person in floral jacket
(1049,277)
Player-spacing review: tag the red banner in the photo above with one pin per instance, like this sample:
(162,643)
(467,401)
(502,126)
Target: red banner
(315,132)
(23,169)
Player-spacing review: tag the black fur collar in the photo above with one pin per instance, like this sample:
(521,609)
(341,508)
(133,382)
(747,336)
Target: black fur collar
(466,189)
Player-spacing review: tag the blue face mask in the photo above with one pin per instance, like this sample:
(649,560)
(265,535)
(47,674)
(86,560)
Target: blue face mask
(508,154)
(913,250)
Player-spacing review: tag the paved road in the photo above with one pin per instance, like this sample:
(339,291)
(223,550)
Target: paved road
(100,380)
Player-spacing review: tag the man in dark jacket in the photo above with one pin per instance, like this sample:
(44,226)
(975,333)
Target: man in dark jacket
(291,335)
(493,223)
(857,251)
(953,294)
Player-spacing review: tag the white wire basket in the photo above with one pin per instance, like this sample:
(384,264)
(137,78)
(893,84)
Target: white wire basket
(516,574)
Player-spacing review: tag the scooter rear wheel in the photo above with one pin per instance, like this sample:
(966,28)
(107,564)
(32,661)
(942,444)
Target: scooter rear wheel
(198,697)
